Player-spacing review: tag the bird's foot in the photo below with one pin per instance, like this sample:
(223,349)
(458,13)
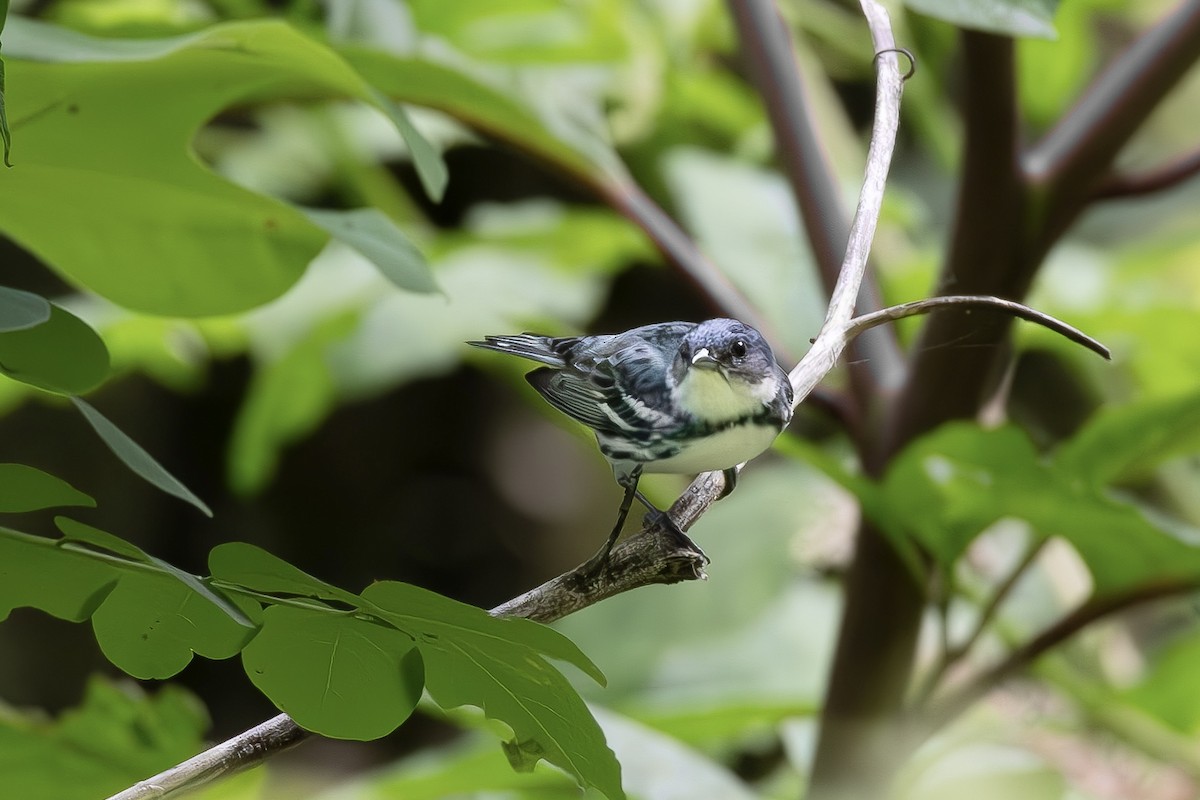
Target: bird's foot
(662,520)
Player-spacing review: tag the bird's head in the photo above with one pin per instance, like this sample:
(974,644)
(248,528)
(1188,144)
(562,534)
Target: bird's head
(723,363)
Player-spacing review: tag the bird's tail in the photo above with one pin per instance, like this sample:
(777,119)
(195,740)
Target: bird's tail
(544,349)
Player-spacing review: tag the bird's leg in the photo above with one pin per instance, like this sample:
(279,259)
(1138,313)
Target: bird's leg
(731,478)
(599,561)
(659,516)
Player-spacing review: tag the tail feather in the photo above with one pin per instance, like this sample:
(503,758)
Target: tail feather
(526,345)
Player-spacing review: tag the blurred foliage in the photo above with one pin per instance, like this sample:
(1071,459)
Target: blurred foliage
(234,181)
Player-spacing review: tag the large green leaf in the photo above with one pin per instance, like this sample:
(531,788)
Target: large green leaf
(343,676)
(61,355)
(1010,17)
(152,229)
(23,488)
(948,486)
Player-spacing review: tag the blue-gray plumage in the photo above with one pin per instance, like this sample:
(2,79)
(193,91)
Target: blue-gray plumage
(677,397)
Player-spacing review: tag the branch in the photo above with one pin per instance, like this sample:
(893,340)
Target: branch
(1080,149)
(1130,184)
(950,654)
(766,49)
(943,711)
(892,313)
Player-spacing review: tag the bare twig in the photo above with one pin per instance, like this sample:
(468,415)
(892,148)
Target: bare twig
(1009,307)
(1136,184)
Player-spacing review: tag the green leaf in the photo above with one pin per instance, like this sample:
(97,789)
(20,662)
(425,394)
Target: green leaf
(254,568)
(1033,18)
(343,677)
(1128,441)
(948,486)
(431,167)
(137,459)
(74,531)
(62,355)
(148,617)
(155,230)
(497,665)
(492,109)
(376,237)
(150,624)
(117,736)
(20,310)
(24,488)
(64,584)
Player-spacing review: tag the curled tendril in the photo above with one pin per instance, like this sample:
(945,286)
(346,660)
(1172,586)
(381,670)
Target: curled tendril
(912,60)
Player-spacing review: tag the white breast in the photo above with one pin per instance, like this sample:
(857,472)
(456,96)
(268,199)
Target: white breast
(722,450)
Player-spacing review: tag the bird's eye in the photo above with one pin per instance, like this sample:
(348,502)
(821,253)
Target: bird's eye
(738,349)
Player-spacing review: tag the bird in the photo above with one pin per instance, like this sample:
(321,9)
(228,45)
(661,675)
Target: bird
(670,397)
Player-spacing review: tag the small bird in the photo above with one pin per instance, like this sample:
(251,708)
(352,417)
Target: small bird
(677,397)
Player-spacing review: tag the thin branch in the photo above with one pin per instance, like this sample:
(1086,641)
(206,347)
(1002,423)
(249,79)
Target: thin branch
(1121,185)
(1009,307)
(953,653)
(947,709)
(766,48)
(1079,151)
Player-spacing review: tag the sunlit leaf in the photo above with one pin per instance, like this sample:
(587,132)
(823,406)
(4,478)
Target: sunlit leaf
(133,456)
(20,310)
(62,355)
(341,676)
(163,233)
(23,488)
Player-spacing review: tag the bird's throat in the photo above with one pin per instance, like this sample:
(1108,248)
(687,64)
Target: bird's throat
(707,395)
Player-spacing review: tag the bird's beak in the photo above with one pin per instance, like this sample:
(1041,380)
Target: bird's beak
(703,358)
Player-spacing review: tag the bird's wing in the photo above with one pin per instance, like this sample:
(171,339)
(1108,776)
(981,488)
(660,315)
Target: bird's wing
(617,387)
